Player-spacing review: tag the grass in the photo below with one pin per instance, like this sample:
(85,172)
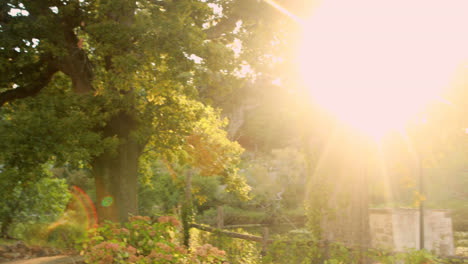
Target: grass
(7,242)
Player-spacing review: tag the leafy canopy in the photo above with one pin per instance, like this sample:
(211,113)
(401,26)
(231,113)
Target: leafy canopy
(88,61)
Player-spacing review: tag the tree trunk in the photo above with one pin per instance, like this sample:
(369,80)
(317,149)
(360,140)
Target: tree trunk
(6,222)
(116,174)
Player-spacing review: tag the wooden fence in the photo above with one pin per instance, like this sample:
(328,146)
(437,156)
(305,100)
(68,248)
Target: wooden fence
(265,240)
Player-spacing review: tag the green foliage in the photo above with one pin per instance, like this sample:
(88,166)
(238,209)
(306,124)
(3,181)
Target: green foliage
(214,154)
(281,175)
(159,192)
(66,235)
(294,249)
(140,241)
(187,218)
(411,256)
(119,74)
(81,178)
(317,209)
(206,148)
(163,190)
(55,127)
(305,249)
(31,233)
(279,182)
(31,202)
(57,235)
(32,210)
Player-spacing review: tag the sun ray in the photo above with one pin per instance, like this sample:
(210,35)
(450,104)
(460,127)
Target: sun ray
(283,10)
(412,150)
(321,159)
(383,169)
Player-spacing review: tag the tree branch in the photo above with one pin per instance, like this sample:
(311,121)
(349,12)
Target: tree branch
(76,64)
(225,26)
(32,89)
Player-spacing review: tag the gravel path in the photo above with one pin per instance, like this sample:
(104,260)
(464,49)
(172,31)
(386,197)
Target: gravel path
(50,260)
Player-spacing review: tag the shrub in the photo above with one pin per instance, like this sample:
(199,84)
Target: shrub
(31,233)
(66,235)
(412,256)
(304,249)
(140,241)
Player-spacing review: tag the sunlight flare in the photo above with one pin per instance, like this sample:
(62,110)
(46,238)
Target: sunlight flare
(376,65)
(283,10)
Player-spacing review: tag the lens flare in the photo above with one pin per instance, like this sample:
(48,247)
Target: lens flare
(80,211)
(88,205)
(107,201)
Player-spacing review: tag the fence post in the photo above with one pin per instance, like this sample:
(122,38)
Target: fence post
(265,241)
(220,218)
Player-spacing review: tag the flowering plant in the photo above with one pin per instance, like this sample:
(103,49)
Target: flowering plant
(140,241)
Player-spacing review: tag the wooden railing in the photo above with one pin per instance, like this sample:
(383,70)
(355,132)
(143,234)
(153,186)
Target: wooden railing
(265,240)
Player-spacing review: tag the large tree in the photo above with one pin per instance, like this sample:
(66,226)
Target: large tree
(100,83)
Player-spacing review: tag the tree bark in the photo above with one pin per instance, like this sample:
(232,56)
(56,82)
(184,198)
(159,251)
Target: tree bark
(116,174)
(6,222)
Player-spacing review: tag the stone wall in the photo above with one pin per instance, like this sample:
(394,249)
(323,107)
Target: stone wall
(398,229)
(381,229)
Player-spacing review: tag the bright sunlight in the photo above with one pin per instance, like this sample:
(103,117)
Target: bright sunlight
(377,64)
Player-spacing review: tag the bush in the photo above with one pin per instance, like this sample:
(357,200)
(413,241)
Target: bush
(160,191)
(31,233)
(302,248)
(296,248)
(26,203)
(140,241)
(66,236)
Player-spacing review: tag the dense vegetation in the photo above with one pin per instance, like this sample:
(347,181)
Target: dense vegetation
(178,107)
